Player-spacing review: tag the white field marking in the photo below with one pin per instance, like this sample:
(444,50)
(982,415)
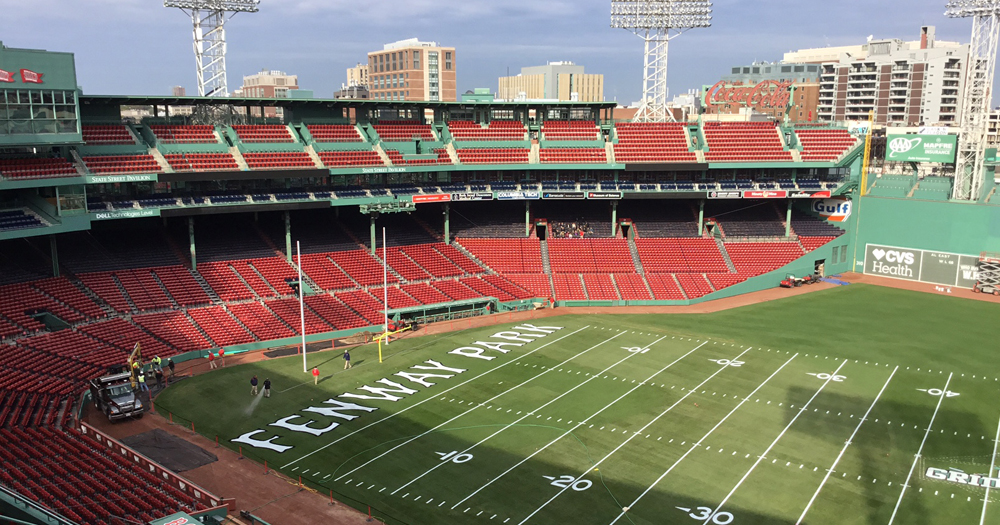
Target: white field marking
(919,450)
(522,418)
(579,424)
(390,416)
(484,403)
(773,443)
(843,450)
(986,500)
(623,443)
(703,438)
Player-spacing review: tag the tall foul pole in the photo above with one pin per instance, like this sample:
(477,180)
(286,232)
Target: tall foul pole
(657,22)
(970,172)
(208,18)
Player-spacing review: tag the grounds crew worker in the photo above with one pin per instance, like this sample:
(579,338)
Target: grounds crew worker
(315,376)
(156,362)
(267,388)
(253,386)
(347,360)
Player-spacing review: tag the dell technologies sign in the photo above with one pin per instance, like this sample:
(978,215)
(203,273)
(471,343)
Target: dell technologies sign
(888,261)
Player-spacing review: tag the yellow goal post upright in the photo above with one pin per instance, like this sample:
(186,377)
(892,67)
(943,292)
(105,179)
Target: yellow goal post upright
(385,336)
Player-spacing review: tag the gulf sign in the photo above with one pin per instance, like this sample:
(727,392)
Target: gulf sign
(833,210)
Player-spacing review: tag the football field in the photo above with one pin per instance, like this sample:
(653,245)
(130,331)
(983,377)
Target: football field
(855,405)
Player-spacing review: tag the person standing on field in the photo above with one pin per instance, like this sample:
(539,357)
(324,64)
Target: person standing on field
(267,388)
(222,356)
(315,376)
(211,360)
(170,365)
(347,360)
(253,386)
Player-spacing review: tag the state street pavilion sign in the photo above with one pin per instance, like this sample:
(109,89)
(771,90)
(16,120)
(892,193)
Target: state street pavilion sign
(768,94)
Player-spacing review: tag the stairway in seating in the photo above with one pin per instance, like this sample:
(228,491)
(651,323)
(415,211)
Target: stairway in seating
(533,155)
(105,307)
(166,292)
(634,251)
(295,329)
(121,289)
(200,329)
(240,161)
(204,286)
(266,282)
(237,319)
(546,265)
(161,160)
(617,289)
(583,286)
(452,154)
(472,257)
(314,156)
(725,255)
(679,287)
(609,151)
(391,271)
(382,154)
(245,283)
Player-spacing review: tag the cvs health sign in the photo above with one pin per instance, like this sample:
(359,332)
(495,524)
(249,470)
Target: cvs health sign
(891,261)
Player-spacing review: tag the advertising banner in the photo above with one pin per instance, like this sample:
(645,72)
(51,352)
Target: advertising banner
(478,196)
(765,194)
(604,195)
(927,266)
(124,214)
(563,195)
(833,210)
(921,148)
(443,197)
(517,195)
(725,195)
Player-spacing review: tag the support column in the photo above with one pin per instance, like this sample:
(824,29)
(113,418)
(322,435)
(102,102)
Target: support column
(701,216)
(788,219)
(54,255)
(614,217)
(372,216)
(288,236)
(194,258)
(447,223)
(527,218)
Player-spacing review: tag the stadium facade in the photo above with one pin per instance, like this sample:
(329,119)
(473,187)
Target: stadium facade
(178,234)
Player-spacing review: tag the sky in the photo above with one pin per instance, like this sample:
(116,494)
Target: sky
(138,47)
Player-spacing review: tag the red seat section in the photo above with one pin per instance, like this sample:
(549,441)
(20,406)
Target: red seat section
(573,155)
(664,287)
(264,133)
(570,130)
(215,321)
(493,155)
(755,258)
(695,285)
(195,134)
(403,131)
(325,272)
(486,289)
(722,280)
(364,304)
(289,312)
(262,321)
(335,312)
(36,168)
(279,160)
(122,164)
(507,255)
(201,161)
(568,287)
(226,284)
(425,293)
(744,142)
(811,243)
(652,142)
(455,290)
(516,291)
(361,266)
(631,286)
(590,256)
(397,158)
(825,145)
(175,328)
(124,335)
(107,135)
(181,285)
(334,133)
(351,158)
(497,130)
(682,255)
(536,284)
(599,287)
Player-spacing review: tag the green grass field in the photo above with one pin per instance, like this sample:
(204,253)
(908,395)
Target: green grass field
(751,416)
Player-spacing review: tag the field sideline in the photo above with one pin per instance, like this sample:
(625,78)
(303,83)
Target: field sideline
(830,407)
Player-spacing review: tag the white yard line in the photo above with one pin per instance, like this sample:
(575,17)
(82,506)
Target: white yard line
(703,438)
(843,450)
(773,443)
(579,424)
(986,499)
(390,416)
(484,403)
(916,458)
(532,412)
(630,438)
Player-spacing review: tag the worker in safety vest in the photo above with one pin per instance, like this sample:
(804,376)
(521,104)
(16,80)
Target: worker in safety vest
(156,362)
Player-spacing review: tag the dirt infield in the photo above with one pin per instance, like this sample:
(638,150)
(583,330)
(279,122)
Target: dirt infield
(280,501)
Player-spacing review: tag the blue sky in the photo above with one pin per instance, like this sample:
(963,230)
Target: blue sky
(140,47)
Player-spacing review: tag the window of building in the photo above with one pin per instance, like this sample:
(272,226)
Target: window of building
(786,69)
(447,60)
(736,71)
(37,112)
(416,60)
(799,69)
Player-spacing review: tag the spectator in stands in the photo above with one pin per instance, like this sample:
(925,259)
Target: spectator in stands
(267,387)
(253,385)
(211,359)
(347,360)
(170,365)
(222,356)
(315,376)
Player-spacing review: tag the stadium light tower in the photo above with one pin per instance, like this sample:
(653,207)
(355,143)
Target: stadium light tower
(653,21)
(969,169)
(209,19)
